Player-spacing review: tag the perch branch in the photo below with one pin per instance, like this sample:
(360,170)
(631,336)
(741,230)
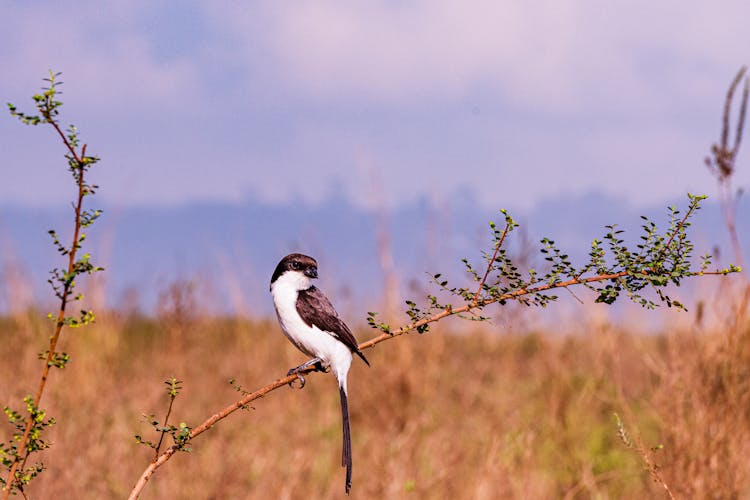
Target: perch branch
(449,311)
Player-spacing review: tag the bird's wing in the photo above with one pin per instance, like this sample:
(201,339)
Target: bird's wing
(316,310)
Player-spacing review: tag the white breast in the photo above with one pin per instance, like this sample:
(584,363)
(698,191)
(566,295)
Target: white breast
(310,340)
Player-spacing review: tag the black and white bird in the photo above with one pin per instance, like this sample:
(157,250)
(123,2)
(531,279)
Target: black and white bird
(312,324)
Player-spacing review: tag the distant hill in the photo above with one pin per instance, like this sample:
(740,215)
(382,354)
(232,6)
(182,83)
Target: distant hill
(229,250)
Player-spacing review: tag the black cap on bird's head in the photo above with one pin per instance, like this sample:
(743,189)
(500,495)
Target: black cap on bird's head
(296,262)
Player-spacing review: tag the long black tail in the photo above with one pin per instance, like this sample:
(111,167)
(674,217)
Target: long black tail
(346,452)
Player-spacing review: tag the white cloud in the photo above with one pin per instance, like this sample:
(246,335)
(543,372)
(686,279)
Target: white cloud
(549,54)
(565,92)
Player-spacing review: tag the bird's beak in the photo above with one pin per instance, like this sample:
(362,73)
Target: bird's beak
(311,272)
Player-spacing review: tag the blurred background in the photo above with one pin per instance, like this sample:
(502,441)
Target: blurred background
(379,137)
(234,134)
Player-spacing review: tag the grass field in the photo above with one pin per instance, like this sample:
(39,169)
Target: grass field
(483,414)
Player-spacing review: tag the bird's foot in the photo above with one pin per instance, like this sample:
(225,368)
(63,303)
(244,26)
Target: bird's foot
(317,363)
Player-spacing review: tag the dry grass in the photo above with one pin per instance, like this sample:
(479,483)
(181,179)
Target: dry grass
(481,415)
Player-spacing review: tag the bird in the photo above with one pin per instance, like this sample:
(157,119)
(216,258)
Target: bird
(310,322)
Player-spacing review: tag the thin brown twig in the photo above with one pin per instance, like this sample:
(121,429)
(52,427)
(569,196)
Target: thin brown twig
(490,264)
(677,229)
(166,421)
(571,292)
(637,446)
(653,469)
(242,403)
(60,322)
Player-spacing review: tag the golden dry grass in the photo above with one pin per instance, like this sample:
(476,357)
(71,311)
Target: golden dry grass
(443,415)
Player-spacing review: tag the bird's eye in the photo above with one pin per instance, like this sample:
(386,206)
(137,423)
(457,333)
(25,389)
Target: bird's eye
(295,265)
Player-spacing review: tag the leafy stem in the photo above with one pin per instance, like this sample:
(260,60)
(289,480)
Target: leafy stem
(509,226)
(27,441)
(178,433)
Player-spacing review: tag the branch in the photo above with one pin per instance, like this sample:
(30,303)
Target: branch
(78,163)
(508,227)
(448,311)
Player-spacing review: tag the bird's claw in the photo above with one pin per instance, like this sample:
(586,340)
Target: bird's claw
(301,379)
(316,363)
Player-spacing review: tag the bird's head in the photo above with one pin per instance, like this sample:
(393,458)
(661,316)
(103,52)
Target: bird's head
(296,268)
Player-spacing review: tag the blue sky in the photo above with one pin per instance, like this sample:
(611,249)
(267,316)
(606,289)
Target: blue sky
(512,102)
